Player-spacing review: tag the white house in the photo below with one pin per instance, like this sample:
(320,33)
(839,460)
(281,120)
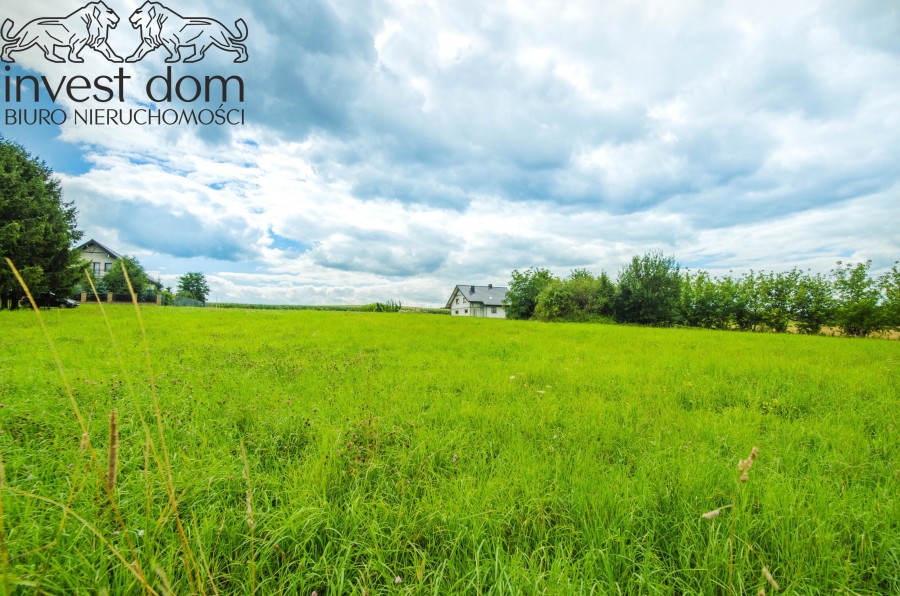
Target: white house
(100,257)
(477,301)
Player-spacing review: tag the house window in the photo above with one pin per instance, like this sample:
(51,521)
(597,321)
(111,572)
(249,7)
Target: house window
(466,311)
(457,311)
(107,267)
(493,310)
(96,268)
(457,300)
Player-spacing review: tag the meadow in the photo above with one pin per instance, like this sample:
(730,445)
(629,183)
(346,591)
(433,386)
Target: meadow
(369,453)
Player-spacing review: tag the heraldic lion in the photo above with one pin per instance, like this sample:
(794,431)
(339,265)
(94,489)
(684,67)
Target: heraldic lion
(86,27)
(162,26)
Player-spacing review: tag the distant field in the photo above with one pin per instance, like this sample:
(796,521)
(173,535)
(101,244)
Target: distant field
(348,452)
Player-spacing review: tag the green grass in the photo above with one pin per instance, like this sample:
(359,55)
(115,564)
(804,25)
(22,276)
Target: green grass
(460,455)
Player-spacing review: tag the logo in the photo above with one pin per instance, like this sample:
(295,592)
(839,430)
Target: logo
(158,25)
(162,26)
(86,27)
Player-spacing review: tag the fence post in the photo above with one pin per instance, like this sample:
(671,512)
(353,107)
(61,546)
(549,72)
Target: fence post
(159,300)
(84,297)
(109,297)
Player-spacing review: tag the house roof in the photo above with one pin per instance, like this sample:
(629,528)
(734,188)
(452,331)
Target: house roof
(488,295)
(108,250)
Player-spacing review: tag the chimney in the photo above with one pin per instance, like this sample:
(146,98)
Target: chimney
(490,286)
(471,289)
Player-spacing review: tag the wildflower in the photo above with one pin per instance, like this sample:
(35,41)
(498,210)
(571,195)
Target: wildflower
(397,580)
(455,458)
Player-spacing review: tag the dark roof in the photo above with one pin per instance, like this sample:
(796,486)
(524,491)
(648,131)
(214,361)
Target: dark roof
(108,250)
(488,296)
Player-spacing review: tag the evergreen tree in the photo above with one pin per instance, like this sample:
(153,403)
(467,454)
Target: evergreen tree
(37,228)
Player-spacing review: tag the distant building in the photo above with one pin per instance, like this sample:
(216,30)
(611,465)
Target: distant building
(477,301)
(100,257)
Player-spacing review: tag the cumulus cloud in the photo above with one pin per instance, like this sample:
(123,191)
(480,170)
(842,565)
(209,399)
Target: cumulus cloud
(395,149)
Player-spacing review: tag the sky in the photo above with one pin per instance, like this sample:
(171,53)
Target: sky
(393,149)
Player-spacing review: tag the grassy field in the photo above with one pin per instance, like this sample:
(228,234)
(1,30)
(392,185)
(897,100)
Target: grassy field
(343,452)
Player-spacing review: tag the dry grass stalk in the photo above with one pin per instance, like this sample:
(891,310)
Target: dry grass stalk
(246,474)
(745,464)
(714,512)
(113,464)
(770,579)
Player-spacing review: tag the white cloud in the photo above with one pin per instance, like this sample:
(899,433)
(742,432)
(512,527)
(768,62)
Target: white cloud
(396,149)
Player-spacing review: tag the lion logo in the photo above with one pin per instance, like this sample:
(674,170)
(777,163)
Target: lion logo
(86,27)
(161,26)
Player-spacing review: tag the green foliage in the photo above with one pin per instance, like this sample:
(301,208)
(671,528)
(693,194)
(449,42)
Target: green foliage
(649,291)
(890,287)
(813,304)
(859,296)
(701,302)
(555,302)
(389,306)
(652,291)
(37,229)
(168,298)
(380,447)
(776,292)
(114,280)
(193,285)
(523,291)
(580,297)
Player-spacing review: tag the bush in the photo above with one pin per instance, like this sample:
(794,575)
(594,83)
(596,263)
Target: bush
(649,291)
(524,289)
(858,312)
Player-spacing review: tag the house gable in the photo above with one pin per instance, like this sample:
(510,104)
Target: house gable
(477,301)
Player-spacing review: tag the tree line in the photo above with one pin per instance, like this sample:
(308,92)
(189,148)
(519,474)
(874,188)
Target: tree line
(654,289)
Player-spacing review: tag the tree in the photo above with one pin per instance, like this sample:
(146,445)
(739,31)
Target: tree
(37,229)
(649,291)
(858,312)
(813,304)
(193,284)
(777,291)
(522,294)
(114,279)
(890,285)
